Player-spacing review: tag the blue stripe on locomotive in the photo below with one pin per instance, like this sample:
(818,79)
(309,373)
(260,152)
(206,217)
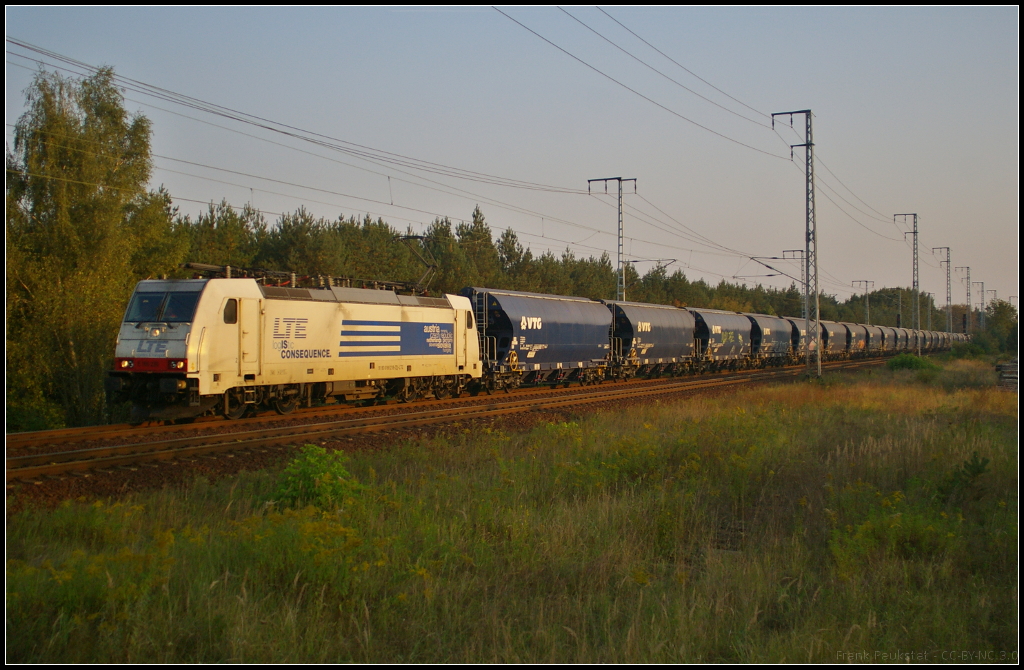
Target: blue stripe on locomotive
(396,338)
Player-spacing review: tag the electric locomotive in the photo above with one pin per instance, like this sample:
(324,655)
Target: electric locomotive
(232,346)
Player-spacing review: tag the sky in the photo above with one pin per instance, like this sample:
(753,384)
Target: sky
(409,114)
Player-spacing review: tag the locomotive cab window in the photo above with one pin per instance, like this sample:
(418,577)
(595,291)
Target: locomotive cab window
(169,307)
(231,311)
(469,321)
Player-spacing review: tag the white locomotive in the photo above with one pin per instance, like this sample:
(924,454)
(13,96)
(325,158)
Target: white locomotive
(231,346)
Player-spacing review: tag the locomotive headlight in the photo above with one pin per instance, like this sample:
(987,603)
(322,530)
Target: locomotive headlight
(127,364)
(177,365)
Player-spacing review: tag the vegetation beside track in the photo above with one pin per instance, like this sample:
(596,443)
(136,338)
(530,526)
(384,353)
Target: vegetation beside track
(874,513)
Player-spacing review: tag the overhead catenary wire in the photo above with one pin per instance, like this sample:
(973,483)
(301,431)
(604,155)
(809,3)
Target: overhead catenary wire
(415,164)
(290,130)
(656,70)
(591,229)
(823,182)
(595,231)
(376,201)
(691,72)
(638,93)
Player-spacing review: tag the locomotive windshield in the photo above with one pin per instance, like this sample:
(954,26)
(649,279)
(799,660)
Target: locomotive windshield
(165,306)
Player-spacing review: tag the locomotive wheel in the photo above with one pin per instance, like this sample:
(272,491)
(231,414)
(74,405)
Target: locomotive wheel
(285,406)
(237,410)
(442,390)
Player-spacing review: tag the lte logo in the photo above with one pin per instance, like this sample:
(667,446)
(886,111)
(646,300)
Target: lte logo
(288,327)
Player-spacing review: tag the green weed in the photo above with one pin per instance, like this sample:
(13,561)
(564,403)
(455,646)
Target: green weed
(317,477)
(910,362)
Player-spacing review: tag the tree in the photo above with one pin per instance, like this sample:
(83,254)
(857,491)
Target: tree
(515,261)
(81,229)
(224,235)
(1002,324)
(454,270)
(478,246)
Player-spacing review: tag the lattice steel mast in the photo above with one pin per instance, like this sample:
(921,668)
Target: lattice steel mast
(621,291)
(917,284)
(949,290)
(969,306)
(811,258)
(868,285)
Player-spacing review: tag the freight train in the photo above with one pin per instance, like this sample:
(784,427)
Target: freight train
(233,346)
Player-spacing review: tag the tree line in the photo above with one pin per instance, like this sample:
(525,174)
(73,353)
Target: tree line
(82,228)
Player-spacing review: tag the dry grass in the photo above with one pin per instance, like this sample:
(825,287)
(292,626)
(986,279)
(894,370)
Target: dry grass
(793,523)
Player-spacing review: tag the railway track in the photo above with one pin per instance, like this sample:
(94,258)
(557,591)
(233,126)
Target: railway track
(256,435)
(33,439)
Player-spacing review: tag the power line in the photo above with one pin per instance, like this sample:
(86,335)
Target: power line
(654,69)
(325,140)
(638,93)
(372,200)
(680,65)
(147,89)
(881,217)
(850,216)
(458,191)
(417,164)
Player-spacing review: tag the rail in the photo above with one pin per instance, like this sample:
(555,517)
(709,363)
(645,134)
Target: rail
(30,466)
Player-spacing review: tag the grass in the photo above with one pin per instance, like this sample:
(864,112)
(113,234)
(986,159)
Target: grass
(789,523)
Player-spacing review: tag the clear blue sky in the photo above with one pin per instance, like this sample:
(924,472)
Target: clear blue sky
(916,110)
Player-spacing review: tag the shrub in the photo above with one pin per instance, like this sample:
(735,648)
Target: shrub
(966,350)
(317,477)
(910,362)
